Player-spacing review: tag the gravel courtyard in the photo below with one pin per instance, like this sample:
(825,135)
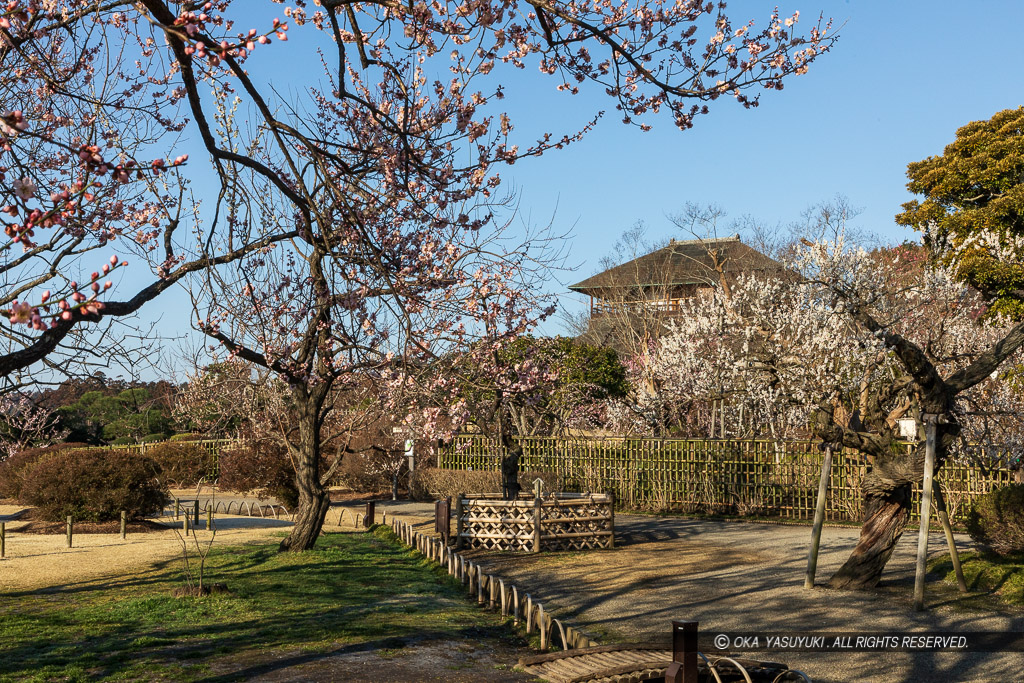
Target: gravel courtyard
(740,576)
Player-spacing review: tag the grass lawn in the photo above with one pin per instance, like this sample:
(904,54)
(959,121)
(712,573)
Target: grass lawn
(356,592)
(990,573)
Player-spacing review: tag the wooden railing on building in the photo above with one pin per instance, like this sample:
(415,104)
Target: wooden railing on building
(745,477)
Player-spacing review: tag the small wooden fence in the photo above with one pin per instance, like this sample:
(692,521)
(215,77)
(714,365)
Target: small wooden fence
(558,521)
(744,477)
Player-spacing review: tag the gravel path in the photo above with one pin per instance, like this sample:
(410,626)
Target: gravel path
(737,576)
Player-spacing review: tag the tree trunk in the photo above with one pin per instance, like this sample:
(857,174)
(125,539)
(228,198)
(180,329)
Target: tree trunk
(313,497)
(885,517)
(309,519)
(394,487)
(510,473)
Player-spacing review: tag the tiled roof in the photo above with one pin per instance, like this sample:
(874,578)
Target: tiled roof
(684,262)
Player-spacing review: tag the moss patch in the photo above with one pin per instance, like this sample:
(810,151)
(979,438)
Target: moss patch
(990,573)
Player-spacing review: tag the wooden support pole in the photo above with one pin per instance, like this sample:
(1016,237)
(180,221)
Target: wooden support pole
(70,530)
(184,526)
(177,508)
(926,510)
(124,524)
(819,518)
(3,539)
(195,519)
(371,510)
(947,528)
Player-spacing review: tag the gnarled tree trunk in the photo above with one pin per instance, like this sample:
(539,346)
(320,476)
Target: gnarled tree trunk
(314,499)
(885,518)
(887,490)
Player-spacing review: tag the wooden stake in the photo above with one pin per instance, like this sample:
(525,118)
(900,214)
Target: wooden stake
(611,518)
(69,530)
(124,525)
(3,539)
(459,522)
(926,510)
(536,524)
(954,556)
(819,519)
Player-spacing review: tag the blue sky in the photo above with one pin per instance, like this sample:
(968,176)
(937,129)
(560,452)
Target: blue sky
(900,81)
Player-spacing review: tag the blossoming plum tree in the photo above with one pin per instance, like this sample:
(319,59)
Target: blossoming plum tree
(359,223)
(860,340)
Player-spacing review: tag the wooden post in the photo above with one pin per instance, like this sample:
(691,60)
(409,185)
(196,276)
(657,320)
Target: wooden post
(184,526)
(683,668)
(195,520)
(371,511)
(819,518)
(70,524)
(459,522)
(926,510)
(124,524)
(611,518)
(3,539)
(536,524)
(543,628)
(177,508)
(954,556)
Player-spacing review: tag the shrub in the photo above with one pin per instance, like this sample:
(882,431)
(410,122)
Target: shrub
(151,438)
(183,464)
(433,483)
(261,466)
(187,437)
(123,441)
(14,468)
(996,520)
(93,485)
(356,473)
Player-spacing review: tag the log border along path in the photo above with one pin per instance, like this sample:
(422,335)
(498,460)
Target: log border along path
(493,592)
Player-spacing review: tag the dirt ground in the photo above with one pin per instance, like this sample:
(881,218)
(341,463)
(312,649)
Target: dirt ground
(38,561)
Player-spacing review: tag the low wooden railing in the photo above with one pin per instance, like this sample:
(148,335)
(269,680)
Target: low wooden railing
(558,521)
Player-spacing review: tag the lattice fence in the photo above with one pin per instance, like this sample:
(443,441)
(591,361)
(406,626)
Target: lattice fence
(745,477)
(561,521)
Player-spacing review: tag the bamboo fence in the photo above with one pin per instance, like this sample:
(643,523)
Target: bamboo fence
(721,476)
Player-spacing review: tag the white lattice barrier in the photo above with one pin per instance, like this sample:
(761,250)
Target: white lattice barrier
(560,521)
